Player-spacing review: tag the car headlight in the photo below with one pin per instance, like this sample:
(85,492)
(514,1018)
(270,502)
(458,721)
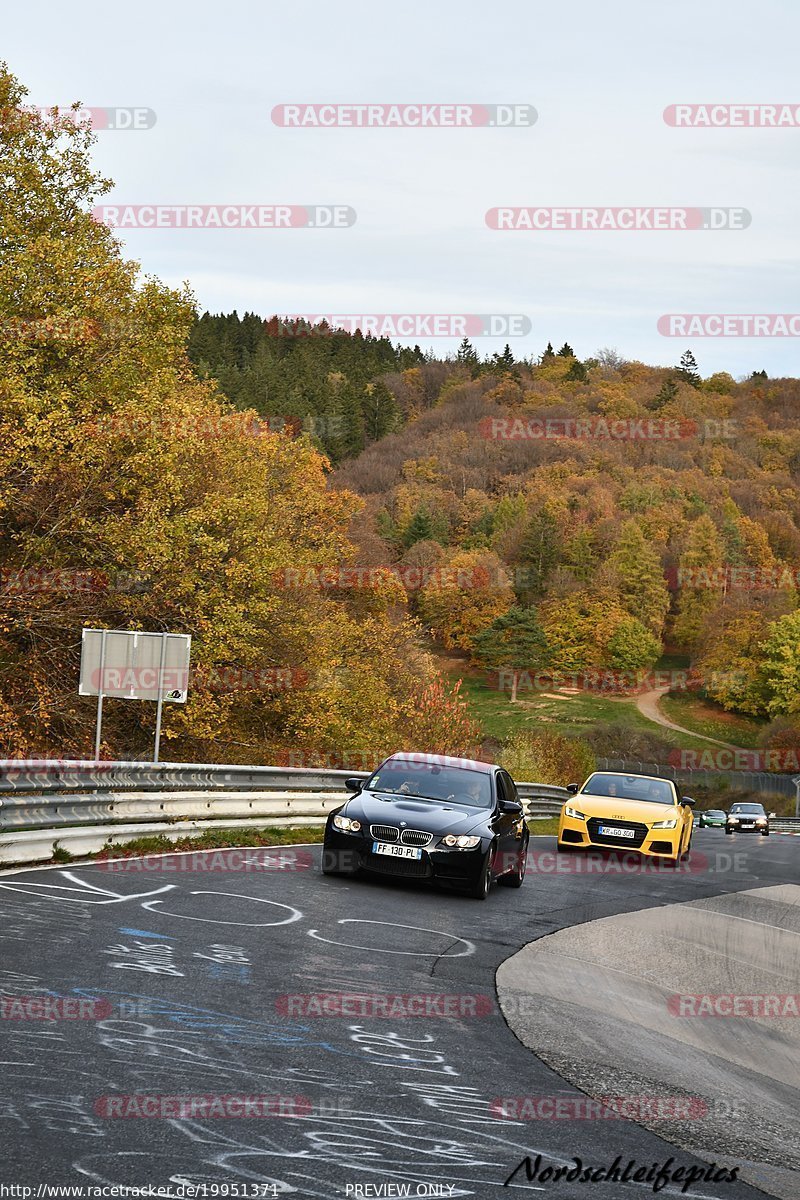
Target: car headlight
(670,823)
(461,841)
(733,820)
(347,824)
(575,813)
(761,821)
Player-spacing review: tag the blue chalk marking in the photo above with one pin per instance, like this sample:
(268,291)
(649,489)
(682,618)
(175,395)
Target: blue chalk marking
(162,937)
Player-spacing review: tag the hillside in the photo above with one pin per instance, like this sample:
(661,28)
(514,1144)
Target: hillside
(631,512)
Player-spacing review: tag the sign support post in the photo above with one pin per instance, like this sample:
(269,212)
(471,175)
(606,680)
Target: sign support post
(160,694)
(99,723)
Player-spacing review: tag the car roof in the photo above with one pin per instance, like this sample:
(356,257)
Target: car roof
(441,760)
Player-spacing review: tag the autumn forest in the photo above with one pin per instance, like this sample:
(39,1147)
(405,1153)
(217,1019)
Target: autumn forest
(344,524)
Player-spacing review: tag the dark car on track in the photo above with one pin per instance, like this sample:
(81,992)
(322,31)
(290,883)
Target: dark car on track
(749,818)
(453,821)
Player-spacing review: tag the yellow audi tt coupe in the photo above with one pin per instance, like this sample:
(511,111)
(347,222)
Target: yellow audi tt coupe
(628,812)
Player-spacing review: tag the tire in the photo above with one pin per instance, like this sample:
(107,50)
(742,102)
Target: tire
(480,889)
(687,851)
(514,879)
(729,832)
(765,833)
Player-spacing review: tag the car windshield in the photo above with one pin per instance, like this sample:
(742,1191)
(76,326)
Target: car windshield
(715,812)
(629,787)
(756,809)
(429,781)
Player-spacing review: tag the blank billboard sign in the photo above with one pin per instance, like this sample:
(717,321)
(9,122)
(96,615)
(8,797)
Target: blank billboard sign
(132,668)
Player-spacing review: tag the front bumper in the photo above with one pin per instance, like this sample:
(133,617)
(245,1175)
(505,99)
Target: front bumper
(658,843)
(443,865)
(747,828)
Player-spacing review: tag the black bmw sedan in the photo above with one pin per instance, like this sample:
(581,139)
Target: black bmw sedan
(747,817)
(453,821)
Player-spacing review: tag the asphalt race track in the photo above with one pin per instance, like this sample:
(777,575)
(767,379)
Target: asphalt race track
(190,970)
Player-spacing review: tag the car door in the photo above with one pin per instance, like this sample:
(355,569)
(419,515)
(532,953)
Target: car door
(506,824)
(520,825)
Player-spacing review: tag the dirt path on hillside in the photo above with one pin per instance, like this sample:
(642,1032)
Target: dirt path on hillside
(648,706)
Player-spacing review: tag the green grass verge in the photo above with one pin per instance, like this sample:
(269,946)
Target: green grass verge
(570,715)
(212,839)
(702,716)
(547,827)
(216,839)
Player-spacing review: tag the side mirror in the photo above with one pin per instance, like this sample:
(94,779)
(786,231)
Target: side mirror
(688,800)
(354,784)
(573,788)
(511,806)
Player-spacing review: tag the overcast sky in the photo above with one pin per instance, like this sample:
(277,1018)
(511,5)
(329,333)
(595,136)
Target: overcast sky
(599,77)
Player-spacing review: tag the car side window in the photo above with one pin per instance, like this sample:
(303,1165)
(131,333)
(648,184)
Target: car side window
(502,793)
(510,786)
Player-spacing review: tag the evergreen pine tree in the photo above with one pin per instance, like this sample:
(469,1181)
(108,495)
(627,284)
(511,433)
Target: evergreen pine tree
(467,355)
(688,369)
(577,372)
(540,550)
(381,411)
(515,641)
(504,361)
(666,393)
(419,528)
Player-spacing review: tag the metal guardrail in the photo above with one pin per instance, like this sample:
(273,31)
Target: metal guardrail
(43,775)
(744,781)
(84,806)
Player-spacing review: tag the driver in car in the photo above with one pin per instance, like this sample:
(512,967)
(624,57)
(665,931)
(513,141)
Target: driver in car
(658,791)
(470,793)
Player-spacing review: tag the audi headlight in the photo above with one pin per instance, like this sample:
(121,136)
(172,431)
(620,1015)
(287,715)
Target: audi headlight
(575,813)
(347,824)
(670,823)
(461,841)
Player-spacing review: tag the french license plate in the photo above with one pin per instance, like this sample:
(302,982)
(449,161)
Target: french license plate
(615,831)
(395,851)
